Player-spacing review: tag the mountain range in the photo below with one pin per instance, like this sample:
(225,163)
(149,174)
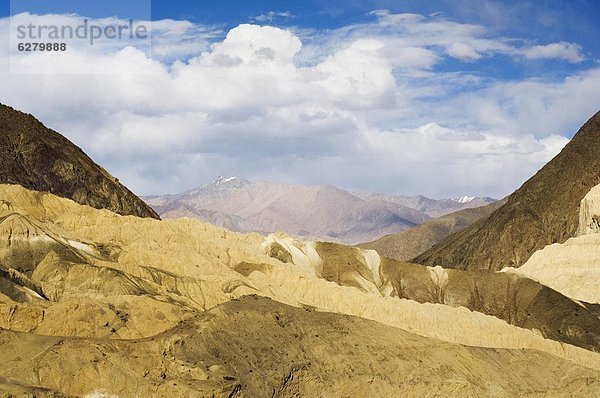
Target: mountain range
(311,212)
(97,304)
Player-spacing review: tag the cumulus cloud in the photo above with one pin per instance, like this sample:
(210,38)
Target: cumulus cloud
(365,110)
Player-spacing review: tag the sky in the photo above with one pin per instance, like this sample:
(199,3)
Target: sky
(441,98)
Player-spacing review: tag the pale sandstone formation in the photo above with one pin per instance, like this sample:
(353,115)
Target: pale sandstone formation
(572,268)
(70,270)
(517,300)
(589,213)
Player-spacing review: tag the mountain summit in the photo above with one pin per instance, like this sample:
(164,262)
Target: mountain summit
(220,180)
(39,158)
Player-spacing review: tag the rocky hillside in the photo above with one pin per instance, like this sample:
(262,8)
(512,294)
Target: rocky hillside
(38,158)
(572,268)
(409,244)
(543,211)
(256,347)
(93,301)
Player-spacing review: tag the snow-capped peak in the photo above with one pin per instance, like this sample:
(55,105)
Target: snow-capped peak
(465,199)
(223,180)
(227,183)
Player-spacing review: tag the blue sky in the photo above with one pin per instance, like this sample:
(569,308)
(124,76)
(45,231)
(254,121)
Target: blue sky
(441,98)
(536,21)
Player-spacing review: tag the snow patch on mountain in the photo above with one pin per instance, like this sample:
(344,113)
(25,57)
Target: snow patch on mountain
(222,180)
(465,199)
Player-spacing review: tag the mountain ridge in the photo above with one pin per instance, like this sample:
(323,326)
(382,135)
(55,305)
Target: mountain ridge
(319,212)
(409,244)
(41,159)
(543,211)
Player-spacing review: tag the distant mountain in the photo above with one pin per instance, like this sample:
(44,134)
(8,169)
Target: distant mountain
(38,158)
(313,212)
(431,207)
(543,211)
(409,244)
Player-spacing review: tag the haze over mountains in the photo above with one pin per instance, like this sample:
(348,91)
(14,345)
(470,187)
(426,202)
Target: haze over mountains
(311,212)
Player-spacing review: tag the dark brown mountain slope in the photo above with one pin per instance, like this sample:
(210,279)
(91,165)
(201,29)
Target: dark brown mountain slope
(414,241)
(41,159)
(543,211)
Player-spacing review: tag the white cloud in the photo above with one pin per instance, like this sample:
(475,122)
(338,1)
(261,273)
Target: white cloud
(407,57)
(252,43)
(173,39)
(364,110)
(465,42)
(462,51)
(271,16)
(534,107)
(570,52)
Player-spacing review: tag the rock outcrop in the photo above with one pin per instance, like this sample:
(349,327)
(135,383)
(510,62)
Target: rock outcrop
(256,347)
(515,299)
(589,213)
